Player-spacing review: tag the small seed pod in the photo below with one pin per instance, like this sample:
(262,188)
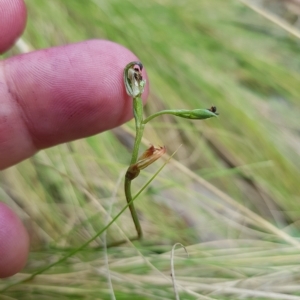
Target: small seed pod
(195,114)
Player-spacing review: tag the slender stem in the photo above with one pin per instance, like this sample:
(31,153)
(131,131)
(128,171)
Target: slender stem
(132,208)
(139,126)
(165,112)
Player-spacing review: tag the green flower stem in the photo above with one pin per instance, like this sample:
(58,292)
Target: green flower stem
(139,127)
(162,112)
(134,215)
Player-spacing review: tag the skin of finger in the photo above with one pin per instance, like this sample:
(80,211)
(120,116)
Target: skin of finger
(12,22)
(60,94)
(14,243)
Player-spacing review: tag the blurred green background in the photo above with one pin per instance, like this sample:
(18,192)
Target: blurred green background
(231,192)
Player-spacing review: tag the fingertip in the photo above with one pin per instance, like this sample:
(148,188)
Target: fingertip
(61,94)
(71,92)
(12,22)
(14,243)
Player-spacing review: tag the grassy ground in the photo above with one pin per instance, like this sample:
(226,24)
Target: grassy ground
(231,192)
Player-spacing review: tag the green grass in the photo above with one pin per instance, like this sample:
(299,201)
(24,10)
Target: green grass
(231,192)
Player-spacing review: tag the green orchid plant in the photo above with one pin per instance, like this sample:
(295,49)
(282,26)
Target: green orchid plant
(134,84)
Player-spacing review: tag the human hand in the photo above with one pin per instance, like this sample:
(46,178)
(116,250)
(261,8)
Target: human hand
(49,97)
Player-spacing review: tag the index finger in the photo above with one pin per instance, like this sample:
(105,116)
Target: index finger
(61,94)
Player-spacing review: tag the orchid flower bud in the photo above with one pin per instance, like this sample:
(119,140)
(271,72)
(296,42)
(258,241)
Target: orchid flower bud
(146,159)
(133,79)
(197,114)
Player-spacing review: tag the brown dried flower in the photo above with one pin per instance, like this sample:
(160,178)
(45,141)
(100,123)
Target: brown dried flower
(146,159)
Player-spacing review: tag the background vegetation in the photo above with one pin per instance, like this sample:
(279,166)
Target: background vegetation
(231,192)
